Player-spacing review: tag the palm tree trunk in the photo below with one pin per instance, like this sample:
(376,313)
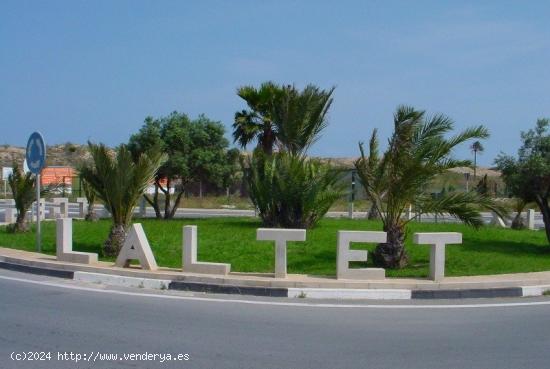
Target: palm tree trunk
(475,164)
(21,224)
(116,239)
(90,214)
(373,213)
(518,223)
(392,254)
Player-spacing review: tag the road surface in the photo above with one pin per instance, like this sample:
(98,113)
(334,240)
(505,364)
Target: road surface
(63,318)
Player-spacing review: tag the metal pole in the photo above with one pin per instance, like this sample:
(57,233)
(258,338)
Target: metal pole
(352,196)
(38,246)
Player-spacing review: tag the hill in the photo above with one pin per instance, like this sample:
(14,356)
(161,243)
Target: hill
(70,154)
(57,155)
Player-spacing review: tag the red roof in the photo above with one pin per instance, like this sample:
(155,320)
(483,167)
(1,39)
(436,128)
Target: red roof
(57,176)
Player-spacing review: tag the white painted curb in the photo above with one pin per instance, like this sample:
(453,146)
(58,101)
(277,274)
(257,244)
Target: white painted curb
(332,293)
(534,290)
(116,280)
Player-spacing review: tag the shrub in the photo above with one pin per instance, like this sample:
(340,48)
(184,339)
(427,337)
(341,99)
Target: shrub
(292,191)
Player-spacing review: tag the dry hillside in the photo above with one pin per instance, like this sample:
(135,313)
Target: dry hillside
(57,155)
(69,154)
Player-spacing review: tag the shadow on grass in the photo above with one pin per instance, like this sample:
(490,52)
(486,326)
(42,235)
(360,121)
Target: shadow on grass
(87,247)
(506,247)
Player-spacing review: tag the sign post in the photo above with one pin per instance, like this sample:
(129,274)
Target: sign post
(36,159)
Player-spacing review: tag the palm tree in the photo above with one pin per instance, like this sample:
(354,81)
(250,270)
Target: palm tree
(90,195)
(292,191)
(476,147)
(287,188)
(23,188)
(281,117)
(417,152)
(256,123)
(119,181)
(518,206)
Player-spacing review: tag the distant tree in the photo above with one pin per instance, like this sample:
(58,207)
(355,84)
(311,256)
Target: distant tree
(119,180)
(528,175)
(233,171)
(483,185)
(476,148)
(196,151)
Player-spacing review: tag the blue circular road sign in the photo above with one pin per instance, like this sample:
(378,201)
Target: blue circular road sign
(36,153)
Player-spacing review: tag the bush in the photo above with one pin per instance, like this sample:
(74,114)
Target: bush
(292,191)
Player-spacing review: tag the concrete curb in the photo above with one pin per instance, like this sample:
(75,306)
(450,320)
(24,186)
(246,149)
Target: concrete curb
(314,293)
(122,281)
(228,289)
(350,294)
(37,270)
(469,293)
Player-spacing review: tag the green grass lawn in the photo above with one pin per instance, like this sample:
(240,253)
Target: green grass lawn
(488,250)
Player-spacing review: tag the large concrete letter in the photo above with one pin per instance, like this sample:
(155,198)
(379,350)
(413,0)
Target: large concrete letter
(280,236)
(437,251)
(345,255)
(190,263)
(64,244)
(136,247)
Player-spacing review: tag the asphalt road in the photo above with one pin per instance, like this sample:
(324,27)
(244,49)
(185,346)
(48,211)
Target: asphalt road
(44,318)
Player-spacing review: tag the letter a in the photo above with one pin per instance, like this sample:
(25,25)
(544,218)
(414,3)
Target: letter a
(136,247)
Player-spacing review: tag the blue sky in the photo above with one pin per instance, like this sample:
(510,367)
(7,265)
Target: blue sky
(79,70)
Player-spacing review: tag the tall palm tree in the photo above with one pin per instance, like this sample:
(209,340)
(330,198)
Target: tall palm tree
(255,123)
(281,116)
(418,151)
(119,181)
(476,148)
(287,188)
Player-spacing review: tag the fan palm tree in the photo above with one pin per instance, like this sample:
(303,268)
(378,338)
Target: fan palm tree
(417,152)
(256,123)
(119,181)
(476,148)
(281,117)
